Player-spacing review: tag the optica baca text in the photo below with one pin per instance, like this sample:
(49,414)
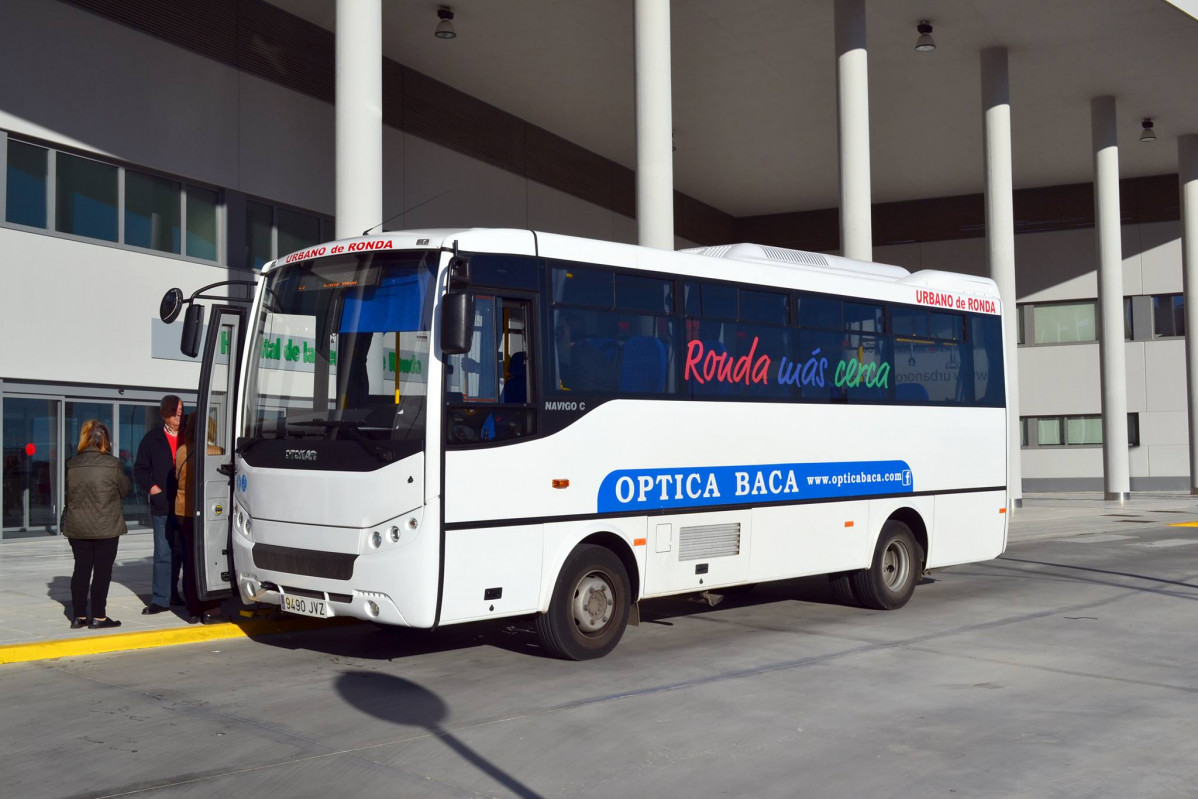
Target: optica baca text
(649,489)
(672,486)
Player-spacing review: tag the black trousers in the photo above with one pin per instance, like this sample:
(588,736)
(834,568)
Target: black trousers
(93,566)
(187,538)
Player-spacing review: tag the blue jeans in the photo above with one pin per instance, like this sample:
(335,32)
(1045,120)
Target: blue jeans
(165,559)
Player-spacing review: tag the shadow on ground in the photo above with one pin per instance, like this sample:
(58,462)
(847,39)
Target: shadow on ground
(368,641)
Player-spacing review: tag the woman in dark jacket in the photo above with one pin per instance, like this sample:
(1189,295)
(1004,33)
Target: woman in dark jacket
(94,522)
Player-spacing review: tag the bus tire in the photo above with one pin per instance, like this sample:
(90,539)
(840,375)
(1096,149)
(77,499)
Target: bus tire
(842,588)
(897,565)
(588,612)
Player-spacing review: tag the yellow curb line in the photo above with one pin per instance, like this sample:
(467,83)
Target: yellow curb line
(1185,524)
(123,642)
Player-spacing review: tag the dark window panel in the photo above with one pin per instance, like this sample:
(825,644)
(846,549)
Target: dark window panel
(86,198)
(25,195)
(152,212)
(201,223)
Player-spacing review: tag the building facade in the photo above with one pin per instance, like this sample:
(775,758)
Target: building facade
(142,151)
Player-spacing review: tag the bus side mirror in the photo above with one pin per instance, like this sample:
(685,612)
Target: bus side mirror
(457,322)
(193,326)
(172,303)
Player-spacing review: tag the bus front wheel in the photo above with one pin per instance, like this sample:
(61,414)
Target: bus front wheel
(897,565)
(589,610)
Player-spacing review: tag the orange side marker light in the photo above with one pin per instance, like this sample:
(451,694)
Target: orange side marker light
(848,524)
(557,483)
(639,542)
(1002,510)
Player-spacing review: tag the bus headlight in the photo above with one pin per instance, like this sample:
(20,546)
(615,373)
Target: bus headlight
(243,524)
(376,539)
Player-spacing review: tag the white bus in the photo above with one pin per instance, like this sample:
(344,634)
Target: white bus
(430,427)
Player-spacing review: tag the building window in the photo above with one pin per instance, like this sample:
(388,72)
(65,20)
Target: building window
(152,212)
(296,231)
(85,197)
(98,200)
(273,231)
(1065,322)
(201,223)
(25,190)
(1071,431)
(1168,315)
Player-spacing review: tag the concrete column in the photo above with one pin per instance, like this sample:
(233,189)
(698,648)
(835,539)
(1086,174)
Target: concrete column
(654,126)
(1112,354)
(359,113)
(852,105)
(1000,240)
(1187,169)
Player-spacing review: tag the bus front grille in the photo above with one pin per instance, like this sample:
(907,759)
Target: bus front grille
(708,541)
(329,565)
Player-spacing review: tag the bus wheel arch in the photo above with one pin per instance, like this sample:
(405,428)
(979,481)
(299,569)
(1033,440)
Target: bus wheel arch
(914,520)
(589,609)
(621,550)
(897,564)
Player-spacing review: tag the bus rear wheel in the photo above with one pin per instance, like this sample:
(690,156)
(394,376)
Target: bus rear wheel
(897,565)
(588,612)
(842,588)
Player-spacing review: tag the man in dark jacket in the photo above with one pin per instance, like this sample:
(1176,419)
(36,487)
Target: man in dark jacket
(154,471)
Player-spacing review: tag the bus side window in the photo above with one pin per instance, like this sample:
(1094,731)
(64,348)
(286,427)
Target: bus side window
(490,389)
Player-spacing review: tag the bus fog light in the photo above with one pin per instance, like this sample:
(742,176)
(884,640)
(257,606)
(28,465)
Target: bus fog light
(249,526)
(394,535)
(412,523)
(372,608)
(376,540)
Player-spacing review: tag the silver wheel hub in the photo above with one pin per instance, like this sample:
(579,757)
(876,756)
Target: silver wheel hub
(896,565)
(594,603)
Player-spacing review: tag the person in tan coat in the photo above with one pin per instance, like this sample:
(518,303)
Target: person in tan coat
(185,517)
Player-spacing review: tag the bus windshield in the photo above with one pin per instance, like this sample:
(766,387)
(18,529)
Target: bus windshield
(342,346)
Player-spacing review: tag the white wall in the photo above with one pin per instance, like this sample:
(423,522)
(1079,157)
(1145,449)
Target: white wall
(80,312)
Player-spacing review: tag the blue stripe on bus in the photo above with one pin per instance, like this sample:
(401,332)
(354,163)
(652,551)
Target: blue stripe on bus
(688,487)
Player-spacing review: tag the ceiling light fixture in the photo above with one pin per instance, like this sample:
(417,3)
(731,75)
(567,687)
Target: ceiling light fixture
(445,26)
(1148,134)
(925,43)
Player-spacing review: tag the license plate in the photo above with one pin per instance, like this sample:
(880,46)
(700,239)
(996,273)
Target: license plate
(306,606)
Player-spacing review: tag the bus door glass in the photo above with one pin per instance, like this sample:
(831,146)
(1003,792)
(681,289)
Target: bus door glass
(214,441)
(490,389)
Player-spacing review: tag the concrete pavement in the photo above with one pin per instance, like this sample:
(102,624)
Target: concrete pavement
(35,591)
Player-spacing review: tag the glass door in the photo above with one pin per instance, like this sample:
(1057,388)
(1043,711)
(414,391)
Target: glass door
(32,459)
(135,422)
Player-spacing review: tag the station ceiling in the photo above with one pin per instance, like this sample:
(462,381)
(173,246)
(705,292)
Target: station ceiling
(754,86)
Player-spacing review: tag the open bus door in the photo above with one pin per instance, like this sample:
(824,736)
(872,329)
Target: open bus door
(216,403)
